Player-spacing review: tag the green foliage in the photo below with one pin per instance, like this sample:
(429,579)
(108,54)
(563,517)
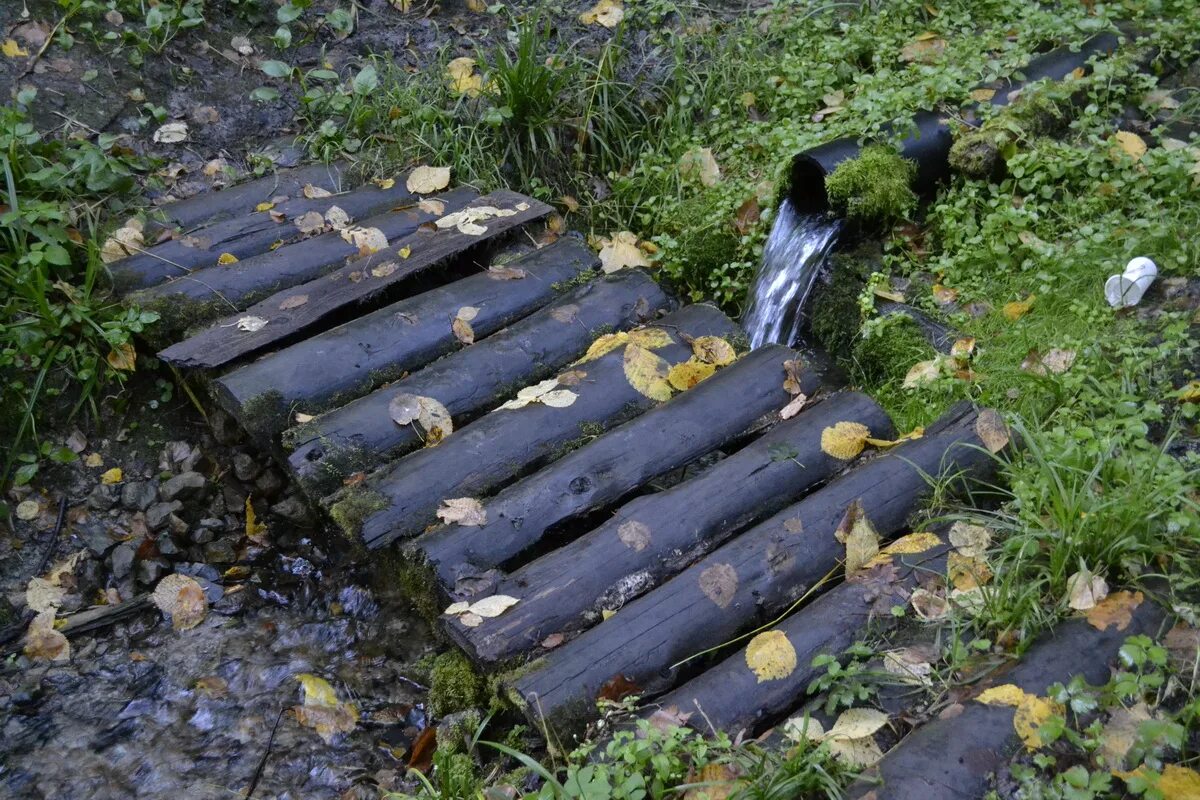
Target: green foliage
(59,326)
(875,188)
(132,27)
(847,682)
(454,685)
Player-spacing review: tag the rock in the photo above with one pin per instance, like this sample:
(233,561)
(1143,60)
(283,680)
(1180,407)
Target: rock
(202,534)
(270,484)
(294,510)
(122,561)
(245,467)
(150,570)
(184,486)
(224,427)
(177,526)
(178,457)
(138,495)
(96,536)
(167,547)
(103,497)
(159,514)
(221,551)
(232,496)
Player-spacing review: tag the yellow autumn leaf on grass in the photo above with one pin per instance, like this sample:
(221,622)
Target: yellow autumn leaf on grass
(700,163)
(1176,782)
(1018,308)
(966,572)
(122,357)
(686,374)
(844,440)
(608,13)
(647,373)
(463,78)
(1131,144)
(621,251)
(770,656)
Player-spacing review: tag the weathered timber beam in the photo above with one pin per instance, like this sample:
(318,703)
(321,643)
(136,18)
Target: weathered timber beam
(241,198)
(207,293)
(655,536)
(603,471)
(281,317)
(508,443)
(752,578)
(248,234)
(730,697)
(329,449)
(955,758)
(366,352)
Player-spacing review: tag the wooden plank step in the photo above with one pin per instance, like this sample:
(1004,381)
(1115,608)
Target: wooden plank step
(465,559)
(747,581)
(653,537)
(241,198)
(280,318)
(245,235)
(381,346)
(329,449)
(507,443)
(954,758)
(213,291)
(730,697)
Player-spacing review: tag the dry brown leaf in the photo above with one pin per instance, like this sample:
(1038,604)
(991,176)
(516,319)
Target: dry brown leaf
(425,179)
(493,606)
(462,330)
(432,207)
(125,241)
(771,656)
(923,372)
(465,511)
(1115,610)
(337,218)
(965,572)
(794,407)
(367,240)
(1058,361)
(647,373)
(1120,732)
(1131,144)
(182,599)
(991,430)
(295,301)
(122,357)
(970,540)
(1085,590)
(747,216)
(923,50)
(713,350)
(929,606)
(792,370)
(310,222)
(634,535)
(315,192)
(699,163)
(860,537)
(719,583)
(430,415)
(43,642)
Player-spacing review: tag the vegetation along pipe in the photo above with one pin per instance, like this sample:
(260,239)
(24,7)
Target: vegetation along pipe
(929,137)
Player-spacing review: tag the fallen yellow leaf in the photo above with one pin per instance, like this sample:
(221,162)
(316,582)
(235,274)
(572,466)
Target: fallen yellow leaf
(844,440)
(770,656)
(647,373)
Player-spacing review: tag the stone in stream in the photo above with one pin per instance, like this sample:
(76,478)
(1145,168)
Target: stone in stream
(138,495)
(183,487)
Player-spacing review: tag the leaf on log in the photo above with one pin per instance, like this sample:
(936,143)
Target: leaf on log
(991,430)
(1115,610)
(466,511)
(647,373)
(1085,590)
(295,301)
(794,407)
(686,374)
(719,583)
(844,440)
(859,536)
(425,179)
(635,535)
(463,331)
(771,656)
(251,324)
(337,218)
(713,350)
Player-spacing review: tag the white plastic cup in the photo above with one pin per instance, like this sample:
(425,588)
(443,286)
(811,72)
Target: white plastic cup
(1126,289)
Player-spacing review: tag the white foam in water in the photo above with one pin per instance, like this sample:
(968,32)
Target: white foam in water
(795,250)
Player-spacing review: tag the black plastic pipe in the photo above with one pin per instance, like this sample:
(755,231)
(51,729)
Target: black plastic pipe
(929,139)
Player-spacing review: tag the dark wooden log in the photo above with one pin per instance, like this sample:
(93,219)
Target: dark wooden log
(371,350)
(217,289)
(955,758)
(600,473)
(508,443)
(655,536)
(246,235)
(276,320)
(332,447)
(751,579)
(243,197)
(730,697)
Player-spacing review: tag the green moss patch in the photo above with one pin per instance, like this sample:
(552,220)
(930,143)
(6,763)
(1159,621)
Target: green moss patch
(454,685)
(355,505)
(875,188)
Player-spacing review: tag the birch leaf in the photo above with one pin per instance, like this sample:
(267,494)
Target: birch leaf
(251,324)
(771,656)
(604,344)
(970,540)
(700,163)
(462,330)
(315,192)
(621,251)
(1085,590)
(182,599)
(844,440)
(714,350)
(647,373)
(367,240)
(43,642)
(608,13)
(859,536)
(492,606)
(686,374)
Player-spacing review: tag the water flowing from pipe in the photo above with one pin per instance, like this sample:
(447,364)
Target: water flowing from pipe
(795,251)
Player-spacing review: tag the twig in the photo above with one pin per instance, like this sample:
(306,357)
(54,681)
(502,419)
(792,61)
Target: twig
(46,44)
(262,762)
(58,524)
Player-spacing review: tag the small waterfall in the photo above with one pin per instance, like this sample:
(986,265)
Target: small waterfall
(795,250)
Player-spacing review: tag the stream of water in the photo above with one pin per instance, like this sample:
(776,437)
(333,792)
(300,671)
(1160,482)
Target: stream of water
(792,258)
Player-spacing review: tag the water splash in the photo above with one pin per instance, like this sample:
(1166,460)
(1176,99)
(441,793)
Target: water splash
(795,250)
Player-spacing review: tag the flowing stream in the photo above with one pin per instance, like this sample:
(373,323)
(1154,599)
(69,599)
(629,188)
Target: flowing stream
(795,250)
